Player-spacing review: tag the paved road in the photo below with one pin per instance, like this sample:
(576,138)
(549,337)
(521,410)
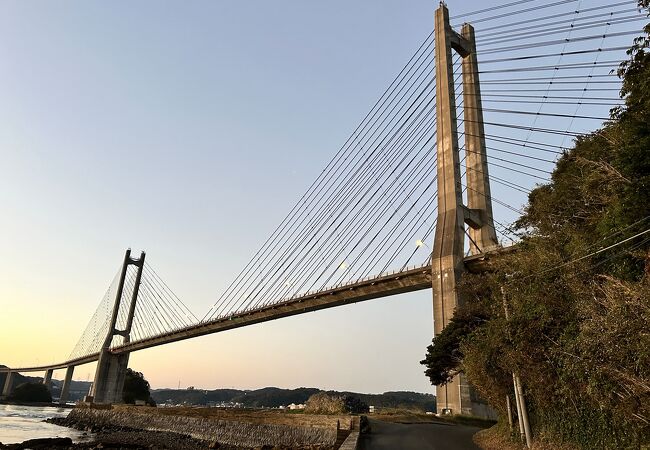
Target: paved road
(427,436)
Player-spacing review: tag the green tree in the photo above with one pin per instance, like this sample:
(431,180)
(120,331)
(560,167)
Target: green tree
(444,356)
(136,387)
(354,405)
(32,392)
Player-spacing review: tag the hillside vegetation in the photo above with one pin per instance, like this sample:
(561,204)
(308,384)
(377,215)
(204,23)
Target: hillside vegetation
(77,388)
(577,289)
(272,397)
(31,392)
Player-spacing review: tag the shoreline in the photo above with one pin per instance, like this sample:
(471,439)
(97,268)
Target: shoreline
(144,428)
(42,404)
(115,437)
(183,428)
(132,439)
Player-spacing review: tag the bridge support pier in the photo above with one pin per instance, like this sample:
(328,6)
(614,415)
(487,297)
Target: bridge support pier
(447,258)
(7,388)
(111,369)
(65,389)
(109,378)
(47,379)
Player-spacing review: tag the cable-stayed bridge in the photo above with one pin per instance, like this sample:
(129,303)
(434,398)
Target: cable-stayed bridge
(474,120)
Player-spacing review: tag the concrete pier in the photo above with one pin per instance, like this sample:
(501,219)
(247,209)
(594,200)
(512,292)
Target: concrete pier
(65,390)
(7,388)
(447,257)
(482,235)
(448,244)
(109,378)
(47,379)
(111,369)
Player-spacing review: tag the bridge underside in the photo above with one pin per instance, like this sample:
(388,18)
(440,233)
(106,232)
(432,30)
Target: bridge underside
(393,284)
(382,286)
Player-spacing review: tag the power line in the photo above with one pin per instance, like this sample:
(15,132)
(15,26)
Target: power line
(511,111)
(522,11)
(552,78)
(531,34)
(507,5)
(536,129)
(613,99)
(530,24)
(551,55)
(531,102)
(557,42)
(566,66)
(589,255)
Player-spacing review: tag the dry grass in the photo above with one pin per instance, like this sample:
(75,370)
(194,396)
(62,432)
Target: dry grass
(258,416)
(498,438)
(398,415)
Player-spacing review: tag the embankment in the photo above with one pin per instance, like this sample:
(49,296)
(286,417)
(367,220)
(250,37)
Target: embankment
(320,432)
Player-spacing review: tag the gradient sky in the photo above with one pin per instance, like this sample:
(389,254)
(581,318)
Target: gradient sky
(189,129)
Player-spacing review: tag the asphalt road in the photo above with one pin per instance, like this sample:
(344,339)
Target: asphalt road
(419,436)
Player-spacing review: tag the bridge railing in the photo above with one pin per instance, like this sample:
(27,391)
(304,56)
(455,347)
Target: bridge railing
(328,288)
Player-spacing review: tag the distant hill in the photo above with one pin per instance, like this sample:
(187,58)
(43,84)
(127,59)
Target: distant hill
(77,388)
(272,397)
(17,380)
(269,397)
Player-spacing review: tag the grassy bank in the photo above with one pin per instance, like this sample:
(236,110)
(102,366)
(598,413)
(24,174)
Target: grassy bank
(500,437)
(398,415)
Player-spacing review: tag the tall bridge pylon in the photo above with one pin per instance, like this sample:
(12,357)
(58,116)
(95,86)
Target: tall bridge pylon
(447,260)
(111,368)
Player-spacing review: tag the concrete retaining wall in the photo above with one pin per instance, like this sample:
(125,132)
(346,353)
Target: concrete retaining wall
(352,442)
(226,432)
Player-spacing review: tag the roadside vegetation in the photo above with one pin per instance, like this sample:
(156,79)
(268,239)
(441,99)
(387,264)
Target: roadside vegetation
(324,403)
(577,289)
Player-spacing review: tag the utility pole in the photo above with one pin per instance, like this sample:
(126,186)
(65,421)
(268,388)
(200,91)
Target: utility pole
(522,413)
(509,411)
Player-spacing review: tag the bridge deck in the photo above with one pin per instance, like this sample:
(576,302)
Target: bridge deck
(382,286)
(392,284)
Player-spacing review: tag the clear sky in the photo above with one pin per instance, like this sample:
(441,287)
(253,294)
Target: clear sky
(189,129)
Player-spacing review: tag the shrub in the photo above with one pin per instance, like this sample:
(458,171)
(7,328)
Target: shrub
(32,392)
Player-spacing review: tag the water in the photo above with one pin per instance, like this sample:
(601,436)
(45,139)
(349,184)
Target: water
(19,423)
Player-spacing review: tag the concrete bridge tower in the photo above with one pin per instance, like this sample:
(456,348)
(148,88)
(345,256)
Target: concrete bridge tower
(111,369)
(447,261)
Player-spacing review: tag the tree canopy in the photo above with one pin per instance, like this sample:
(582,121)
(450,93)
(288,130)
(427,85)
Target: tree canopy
(136,387)
(32,392)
